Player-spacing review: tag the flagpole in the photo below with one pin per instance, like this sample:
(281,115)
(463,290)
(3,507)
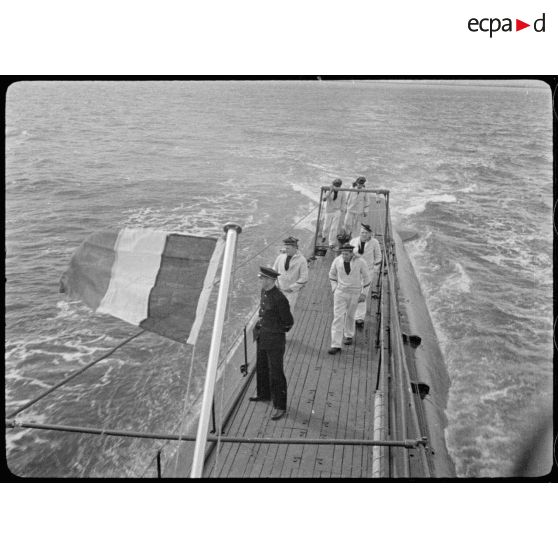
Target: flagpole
(232,230)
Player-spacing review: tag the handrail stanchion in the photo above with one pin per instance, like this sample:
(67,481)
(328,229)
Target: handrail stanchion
(318,221)
(232,231)
(386,219)
(159,465)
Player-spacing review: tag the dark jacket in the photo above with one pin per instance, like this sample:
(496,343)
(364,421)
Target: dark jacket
(275,313)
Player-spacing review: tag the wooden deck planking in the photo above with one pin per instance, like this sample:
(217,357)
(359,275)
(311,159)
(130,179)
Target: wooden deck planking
(316,384)
(241,424)
(252,452)
(302,354)
(305,362)
(358,367)
(308,364)
(351,465)
(320,458)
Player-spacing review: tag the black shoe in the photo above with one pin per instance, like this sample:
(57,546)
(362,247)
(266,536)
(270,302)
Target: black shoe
(334,350)
(258,398)
(348,341)
(279,413)
(360,323)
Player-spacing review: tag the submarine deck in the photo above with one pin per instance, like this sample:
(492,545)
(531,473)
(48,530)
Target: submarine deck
(330,397)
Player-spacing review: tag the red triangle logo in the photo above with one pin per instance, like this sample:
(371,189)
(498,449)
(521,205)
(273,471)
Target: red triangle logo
(519,25)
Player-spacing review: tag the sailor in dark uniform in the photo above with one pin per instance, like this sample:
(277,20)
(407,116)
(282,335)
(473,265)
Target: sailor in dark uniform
(275,320)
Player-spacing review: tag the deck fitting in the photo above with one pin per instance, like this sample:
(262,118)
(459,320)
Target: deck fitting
(413,340)
(421,388)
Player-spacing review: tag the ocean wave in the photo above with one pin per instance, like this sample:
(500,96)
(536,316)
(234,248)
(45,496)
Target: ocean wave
(323,168)
(305,191)
(307,223)
(458,281)
(204,215)
(421,206)
(471,188)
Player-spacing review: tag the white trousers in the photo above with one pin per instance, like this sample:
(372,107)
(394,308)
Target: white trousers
(291,297)
(344,307)
(361,306)
(352,223)
(331,226)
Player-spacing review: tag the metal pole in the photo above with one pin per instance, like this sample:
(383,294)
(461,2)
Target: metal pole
(386,218)
(159,464)
(232,231)
(318,221)
(214,429)
(14,423)
(245,353)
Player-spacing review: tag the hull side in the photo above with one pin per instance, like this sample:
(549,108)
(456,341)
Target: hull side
(429,361)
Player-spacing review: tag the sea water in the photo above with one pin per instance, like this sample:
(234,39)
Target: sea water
(469,167)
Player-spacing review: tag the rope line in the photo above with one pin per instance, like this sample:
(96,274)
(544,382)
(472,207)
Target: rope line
(72,376)
(185,409)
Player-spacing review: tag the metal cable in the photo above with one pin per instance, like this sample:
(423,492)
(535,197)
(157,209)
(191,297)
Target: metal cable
(184,409)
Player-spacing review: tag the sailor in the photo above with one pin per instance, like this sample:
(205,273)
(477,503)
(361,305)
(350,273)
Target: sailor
(293,270)
(275,320)
(349,278)
(357,207)
(367,248)
(334,206)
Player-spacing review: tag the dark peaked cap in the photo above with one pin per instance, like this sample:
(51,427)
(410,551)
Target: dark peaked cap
(268,272)
(291,240)
(366,227)
(347,247)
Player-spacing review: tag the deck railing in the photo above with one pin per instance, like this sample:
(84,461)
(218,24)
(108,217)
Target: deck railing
(318,248)
(400,375)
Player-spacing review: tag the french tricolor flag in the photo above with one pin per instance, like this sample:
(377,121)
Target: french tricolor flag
(156,280)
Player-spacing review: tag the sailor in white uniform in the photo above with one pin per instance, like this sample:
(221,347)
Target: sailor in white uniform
(356,207)
(349,278)
(334,207)
(293,269)
(367,248)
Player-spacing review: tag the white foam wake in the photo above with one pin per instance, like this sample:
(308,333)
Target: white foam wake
(310,194)
(458,281)
(421,206)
